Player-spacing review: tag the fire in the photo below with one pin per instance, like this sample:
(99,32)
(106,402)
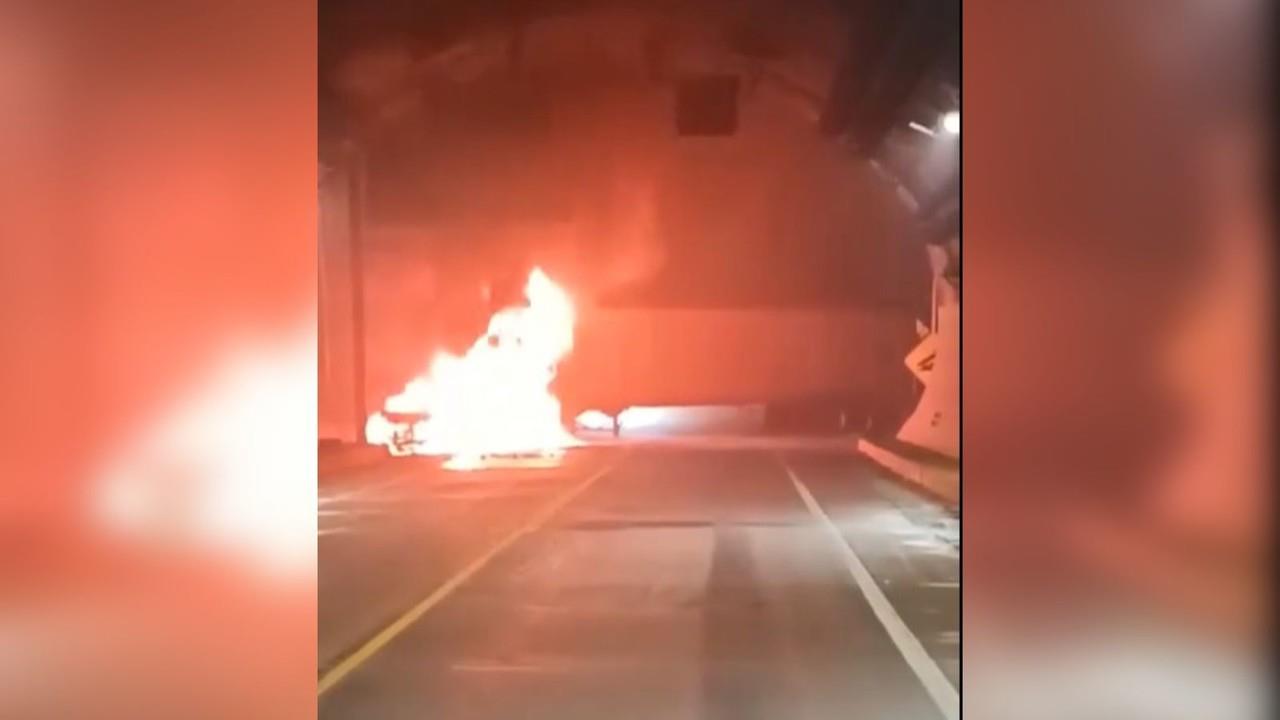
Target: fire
(495,399)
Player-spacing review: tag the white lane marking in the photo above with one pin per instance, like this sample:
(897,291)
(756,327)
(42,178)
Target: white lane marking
(323,500)
(947,584)
(377,642)
(935,683)
(932,546)
(335,530)
(343,497)
(344,493)
(364,490)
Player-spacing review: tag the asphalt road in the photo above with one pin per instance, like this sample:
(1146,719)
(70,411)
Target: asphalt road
(640,582)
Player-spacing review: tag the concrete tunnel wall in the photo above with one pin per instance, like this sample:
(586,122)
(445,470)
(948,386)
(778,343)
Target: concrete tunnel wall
(604,195)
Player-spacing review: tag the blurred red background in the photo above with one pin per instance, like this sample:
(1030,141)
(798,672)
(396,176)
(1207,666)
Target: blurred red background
(158,223)
(158,227)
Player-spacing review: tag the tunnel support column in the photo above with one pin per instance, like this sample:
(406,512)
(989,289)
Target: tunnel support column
(355,235)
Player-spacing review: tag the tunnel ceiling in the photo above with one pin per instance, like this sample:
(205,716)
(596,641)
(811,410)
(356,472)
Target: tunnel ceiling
(800,38)
(552,99)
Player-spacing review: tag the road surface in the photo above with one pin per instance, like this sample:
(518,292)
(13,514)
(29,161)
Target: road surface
(641,582)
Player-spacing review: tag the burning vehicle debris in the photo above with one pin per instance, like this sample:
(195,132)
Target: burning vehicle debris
(494,401)
(395,430)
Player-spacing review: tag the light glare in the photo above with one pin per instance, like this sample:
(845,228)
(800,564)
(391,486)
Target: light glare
(951,122)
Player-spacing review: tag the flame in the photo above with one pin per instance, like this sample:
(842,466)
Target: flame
(495,399)
(595,420)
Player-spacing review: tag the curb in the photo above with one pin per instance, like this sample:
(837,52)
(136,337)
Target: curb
(940,480)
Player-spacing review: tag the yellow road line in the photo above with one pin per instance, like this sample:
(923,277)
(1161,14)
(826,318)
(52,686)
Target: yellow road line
(335,674)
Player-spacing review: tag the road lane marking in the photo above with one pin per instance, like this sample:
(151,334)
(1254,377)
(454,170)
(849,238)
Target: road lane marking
(359,492)
(946,584)
(935,683)
(348,664)
(499,667)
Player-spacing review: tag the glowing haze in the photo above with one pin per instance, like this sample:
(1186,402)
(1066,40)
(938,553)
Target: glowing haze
(496,398)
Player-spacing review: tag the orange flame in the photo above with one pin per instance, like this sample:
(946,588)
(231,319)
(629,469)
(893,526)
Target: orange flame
(495,399)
